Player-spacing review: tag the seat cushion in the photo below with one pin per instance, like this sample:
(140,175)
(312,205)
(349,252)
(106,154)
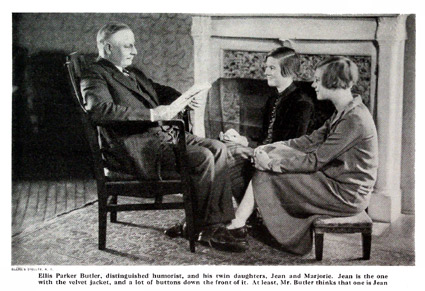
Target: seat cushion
(120,176)
(359,220)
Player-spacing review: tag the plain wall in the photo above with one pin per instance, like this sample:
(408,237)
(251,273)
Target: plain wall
(163,41)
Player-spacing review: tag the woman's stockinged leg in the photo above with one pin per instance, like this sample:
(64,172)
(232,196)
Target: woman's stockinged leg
(245,209)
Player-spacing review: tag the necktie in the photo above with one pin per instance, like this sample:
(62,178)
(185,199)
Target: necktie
(128,74)
(131,76)
(142,91)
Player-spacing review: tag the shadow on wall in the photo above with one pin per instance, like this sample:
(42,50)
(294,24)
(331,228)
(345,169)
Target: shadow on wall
(48,136)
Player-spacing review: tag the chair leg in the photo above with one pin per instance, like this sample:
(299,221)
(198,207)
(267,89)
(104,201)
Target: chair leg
(158,200)
(192,245)
(114,200)
(367,245)
(102,227)
(191,231)
(318,245)
(190,223)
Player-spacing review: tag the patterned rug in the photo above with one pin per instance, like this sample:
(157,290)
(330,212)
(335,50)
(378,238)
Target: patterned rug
(138,239)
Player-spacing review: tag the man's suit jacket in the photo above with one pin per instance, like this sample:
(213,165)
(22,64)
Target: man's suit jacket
(110,95)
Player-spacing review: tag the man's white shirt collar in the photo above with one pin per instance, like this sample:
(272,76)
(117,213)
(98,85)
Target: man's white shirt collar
(120,68)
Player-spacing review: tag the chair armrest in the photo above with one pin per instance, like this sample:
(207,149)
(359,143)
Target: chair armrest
(179,143)
(146,124)
(143,123)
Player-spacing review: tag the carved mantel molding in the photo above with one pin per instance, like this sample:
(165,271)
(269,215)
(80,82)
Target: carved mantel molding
(391,28)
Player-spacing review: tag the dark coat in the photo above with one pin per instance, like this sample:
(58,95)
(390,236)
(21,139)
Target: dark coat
(294,114)
(294,117)
(110,95)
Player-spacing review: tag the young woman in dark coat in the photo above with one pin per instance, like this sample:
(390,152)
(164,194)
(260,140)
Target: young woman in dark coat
(289,113)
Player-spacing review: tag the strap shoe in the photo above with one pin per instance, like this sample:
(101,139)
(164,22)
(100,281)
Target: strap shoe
(239,233)
(222,239)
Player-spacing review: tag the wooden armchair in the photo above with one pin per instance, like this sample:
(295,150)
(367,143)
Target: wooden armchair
(110,185)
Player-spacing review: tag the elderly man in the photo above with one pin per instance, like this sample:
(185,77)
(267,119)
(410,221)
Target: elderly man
(113,90)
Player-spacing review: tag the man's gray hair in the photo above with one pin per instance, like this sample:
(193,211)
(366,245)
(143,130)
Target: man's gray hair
(106,31)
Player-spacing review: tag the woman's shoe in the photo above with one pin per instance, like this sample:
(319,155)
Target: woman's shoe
(239,233)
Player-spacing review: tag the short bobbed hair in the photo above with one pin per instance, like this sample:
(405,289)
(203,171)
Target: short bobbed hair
(106,31)
(288,60)
(338,72)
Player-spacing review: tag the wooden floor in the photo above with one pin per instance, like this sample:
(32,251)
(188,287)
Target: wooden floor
(47,183)
(34,202)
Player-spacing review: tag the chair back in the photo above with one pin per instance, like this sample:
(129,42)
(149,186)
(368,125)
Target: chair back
(76,64)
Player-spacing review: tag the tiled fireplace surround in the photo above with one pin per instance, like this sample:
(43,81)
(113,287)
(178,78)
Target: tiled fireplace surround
(379,39)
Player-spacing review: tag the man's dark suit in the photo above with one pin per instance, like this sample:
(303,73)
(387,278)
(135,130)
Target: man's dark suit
(110,95)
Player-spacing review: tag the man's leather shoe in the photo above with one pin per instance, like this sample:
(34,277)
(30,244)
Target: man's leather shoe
(177,230)
(223,240)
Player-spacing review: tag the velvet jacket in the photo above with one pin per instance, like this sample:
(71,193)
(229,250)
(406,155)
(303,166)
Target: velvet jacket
(294,115)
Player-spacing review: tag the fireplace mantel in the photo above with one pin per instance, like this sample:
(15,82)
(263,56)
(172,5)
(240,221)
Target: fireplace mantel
(380,37)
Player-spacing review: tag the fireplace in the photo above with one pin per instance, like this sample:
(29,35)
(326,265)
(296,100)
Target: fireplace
(374,42)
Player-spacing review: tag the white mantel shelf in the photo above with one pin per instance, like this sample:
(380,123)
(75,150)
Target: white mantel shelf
(296,28)
(381,37)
